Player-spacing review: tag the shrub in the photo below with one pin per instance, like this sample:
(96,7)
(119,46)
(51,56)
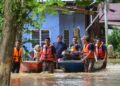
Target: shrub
(114,39)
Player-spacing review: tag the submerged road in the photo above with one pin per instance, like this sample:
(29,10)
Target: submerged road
(107,77)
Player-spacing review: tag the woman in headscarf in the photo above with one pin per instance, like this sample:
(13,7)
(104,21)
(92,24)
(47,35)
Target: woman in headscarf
(37,52)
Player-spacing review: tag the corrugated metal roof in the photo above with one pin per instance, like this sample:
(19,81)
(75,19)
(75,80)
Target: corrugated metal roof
(113,13)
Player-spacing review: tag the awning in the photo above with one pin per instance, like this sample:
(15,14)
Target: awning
(76,9)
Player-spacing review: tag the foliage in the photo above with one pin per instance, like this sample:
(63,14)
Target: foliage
(114,39)
(30,12)
(1,15)
(87,3)
(116,1)
(83,2)
(116,54)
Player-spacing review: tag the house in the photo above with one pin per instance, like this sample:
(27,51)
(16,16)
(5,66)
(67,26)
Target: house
(96,28)
(113,15)
(67,25)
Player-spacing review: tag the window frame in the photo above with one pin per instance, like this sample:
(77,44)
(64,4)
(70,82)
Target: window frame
(36,37)
(41,41)
(68,37)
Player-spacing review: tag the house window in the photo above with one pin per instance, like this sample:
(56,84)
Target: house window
(44,34)
(35,37)
(66,37)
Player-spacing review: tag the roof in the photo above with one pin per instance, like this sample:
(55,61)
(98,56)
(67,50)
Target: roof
(72,8)
(113,14)
(78,10)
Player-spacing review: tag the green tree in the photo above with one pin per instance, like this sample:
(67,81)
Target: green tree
(1,18)
(15,14)
(31,12)
(114,39)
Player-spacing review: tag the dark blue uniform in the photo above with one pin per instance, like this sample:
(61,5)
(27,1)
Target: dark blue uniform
(60,47)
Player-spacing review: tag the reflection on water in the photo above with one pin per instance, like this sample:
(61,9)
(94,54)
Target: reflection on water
(109,77)
(86,80)
(16,82)
(68,82)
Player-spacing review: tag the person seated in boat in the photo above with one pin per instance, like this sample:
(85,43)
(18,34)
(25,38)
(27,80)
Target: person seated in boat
(88,54)
(37,53)
(101,51)
(60,47)
(75,49)
(48,56)
(66,55)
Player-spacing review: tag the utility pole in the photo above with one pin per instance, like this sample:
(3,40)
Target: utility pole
(106,21)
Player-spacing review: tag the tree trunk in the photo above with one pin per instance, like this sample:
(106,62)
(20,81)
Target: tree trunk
(7,44)
(19,33)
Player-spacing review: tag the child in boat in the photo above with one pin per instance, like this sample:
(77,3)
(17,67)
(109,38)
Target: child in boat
(75,49)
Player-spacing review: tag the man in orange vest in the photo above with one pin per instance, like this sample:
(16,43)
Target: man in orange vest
(48,56)
(17,57)
(101,51)
(88,51)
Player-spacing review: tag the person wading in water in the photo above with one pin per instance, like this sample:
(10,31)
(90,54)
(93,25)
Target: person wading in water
(88,51)
(48,56)
(17,57)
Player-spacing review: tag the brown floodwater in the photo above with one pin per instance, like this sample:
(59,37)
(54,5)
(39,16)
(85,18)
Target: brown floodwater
(107,77)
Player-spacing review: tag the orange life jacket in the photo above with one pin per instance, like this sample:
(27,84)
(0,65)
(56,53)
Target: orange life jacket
(17,55)
(73,49)
(86,51)
(99,51)
(47,53)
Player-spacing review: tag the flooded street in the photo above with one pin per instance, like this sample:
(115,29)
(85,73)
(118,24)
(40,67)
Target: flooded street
(107,77)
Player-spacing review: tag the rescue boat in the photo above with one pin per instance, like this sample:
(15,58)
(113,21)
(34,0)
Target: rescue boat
(78,65)
(31,66)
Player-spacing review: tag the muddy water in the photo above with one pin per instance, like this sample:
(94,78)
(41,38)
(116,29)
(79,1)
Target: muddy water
(107,77)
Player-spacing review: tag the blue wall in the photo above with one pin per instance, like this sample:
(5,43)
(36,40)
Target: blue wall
(56,24)
(51,24)
(71,22)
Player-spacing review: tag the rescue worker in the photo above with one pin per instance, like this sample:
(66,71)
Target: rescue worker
(101,51)
(60,47)
(88,52)
(17,57)
(48,56)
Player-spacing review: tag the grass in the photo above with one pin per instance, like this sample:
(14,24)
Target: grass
(114,61)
